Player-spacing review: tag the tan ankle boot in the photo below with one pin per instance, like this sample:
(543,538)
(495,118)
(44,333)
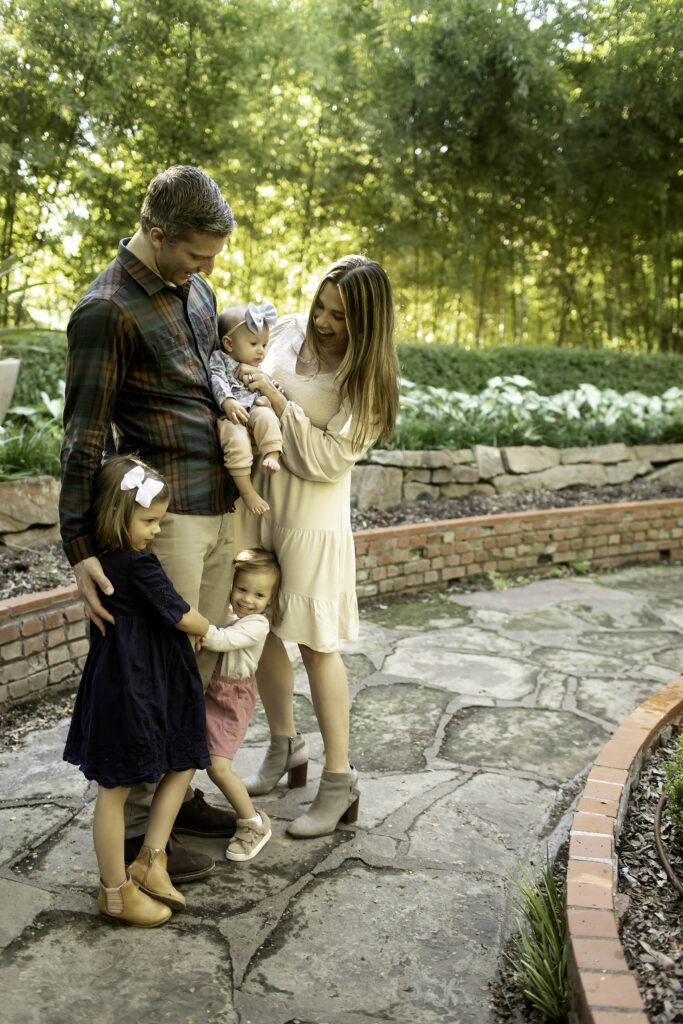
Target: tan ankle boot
(126,903)
(285,754)
(149,871)
(336,800)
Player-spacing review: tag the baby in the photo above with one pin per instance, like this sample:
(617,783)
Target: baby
(244,330)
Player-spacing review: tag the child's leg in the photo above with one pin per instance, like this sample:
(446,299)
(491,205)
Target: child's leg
(267,435)
(236,443)
(253,827)
(149,869)
(165,805)
(108,834)
(231,786)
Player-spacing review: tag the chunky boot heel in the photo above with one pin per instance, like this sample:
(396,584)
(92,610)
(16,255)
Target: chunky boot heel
(352,814)
(296,777)
(285,754)
(337,800)
(129,905)
(149,871)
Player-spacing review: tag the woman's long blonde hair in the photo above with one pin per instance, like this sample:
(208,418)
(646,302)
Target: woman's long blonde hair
(368,377)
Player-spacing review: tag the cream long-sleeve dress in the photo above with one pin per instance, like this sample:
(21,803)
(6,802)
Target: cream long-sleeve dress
(309,522)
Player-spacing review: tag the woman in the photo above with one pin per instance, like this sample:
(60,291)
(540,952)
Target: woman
(339,373)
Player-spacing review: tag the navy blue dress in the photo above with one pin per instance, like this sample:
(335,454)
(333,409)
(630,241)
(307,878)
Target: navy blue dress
(139,710)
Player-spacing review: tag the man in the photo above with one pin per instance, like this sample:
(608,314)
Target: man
(138,364)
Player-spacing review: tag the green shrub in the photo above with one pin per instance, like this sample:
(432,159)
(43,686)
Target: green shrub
(43,363)
(550,369)
(673,786)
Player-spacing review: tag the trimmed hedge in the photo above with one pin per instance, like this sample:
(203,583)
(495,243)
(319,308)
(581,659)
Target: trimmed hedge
(550,369)
(43,364)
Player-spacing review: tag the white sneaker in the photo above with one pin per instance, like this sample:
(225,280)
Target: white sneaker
(249,838)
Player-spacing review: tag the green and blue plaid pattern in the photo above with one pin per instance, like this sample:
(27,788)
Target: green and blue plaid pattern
(138,359)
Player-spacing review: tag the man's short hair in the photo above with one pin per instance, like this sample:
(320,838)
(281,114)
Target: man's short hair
(183,200)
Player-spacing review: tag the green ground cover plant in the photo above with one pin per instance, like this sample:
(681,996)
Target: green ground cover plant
(511,411)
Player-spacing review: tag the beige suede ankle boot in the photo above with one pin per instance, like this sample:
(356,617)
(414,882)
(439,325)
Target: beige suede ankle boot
(336,800)
(285,754)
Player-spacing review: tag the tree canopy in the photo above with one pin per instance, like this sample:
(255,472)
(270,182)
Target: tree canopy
(515,166)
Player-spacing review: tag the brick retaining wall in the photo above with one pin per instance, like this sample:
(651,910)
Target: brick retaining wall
(43,637)
(604,989)
(408,559)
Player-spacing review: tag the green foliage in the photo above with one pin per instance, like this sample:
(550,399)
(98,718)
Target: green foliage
(464,369)
(29,451)
(538,956)
(673,787)
(31,439)
(510,412)
(43,363)
(514,166)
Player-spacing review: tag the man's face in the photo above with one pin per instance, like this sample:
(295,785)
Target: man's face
(177,262)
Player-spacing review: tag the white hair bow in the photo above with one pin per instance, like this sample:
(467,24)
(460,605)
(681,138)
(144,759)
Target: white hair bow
(256,316)
(147,490)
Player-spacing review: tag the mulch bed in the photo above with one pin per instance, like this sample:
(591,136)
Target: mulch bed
(652,926)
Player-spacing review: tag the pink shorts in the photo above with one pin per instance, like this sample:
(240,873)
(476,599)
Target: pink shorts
(229,704)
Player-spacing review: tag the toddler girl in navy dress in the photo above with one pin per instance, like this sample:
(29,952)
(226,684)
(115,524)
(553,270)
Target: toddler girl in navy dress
(139,712)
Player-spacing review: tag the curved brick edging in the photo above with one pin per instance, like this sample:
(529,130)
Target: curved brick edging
(43,637)
(603,988)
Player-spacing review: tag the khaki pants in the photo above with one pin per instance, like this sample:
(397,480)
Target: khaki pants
(196,553)
(236,440)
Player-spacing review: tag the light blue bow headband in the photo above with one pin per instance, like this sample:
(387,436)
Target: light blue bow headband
(256,316)
(146,490)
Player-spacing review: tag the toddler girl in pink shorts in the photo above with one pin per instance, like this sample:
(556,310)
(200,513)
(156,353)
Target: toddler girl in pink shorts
(231,695)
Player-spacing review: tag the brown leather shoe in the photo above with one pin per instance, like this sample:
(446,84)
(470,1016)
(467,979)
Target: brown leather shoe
(184,865)
(197,818)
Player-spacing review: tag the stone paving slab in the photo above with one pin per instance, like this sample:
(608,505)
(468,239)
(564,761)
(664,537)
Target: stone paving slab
(475,718)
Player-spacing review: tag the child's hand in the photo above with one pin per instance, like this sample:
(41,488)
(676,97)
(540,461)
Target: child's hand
(235,412)
(198,643)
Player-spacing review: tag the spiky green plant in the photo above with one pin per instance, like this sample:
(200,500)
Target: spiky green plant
(673,786)
(538,953)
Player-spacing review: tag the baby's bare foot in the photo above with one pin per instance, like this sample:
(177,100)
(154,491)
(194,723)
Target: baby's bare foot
(254,502)
(271,462)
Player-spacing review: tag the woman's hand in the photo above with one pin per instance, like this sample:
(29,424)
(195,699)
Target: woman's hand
(257,380)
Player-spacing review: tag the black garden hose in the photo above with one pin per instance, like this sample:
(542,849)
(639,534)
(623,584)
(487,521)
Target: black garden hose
(673,877)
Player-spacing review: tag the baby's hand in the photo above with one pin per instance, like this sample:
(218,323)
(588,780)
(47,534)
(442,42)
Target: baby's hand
(235,412)
(198,643)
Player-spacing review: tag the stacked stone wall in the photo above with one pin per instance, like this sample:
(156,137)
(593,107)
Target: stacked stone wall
(387,479)
(43,637)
